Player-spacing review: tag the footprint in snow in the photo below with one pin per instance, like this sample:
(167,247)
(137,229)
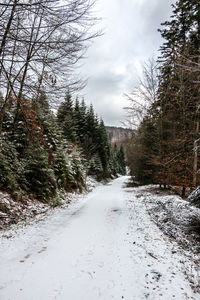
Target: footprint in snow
(25,257)
(42,250)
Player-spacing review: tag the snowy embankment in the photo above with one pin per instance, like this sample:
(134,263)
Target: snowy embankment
(180,222)
(103,246)
(24,211)
(174,216)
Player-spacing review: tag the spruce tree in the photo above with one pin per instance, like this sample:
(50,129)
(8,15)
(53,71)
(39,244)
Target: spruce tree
(66,121)
(178,96)
(89,145)
(103,149)
(122,161)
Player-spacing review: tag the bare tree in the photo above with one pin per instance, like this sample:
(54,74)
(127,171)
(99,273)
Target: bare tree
(41,42)
(144,95)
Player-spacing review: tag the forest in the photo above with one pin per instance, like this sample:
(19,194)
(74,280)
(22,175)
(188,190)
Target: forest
(87,210)
(164,108)
(49,139)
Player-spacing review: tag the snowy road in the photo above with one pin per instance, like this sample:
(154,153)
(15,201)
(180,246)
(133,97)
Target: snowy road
(103,247)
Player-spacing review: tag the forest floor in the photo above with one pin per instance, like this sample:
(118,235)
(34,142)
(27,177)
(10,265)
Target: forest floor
(116,242)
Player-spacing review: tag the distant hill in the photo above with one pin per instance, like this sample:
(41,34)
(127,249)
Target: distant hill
(118,134)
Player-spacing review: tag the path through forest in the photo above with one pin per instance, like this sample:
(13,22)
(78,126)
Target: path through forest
(105,246)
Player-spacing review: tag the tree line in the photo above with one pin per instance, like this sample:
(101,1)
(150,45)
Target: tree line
(41,151)
(165,148)
(55,152)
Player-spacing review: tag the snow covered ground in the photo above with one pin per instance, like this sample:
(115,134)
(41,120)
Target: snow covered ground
(23,211)
(103,246)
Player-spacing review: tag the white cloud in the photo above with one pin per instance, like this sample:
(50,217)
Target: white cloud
(114,61)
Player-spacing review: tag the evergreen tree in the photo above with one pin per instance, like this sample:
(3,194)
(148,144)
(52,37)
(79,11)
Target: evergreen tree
(103,149)
(89,145)
(38,177)
(178,98)
(162,148)
(66,108)
(80,120)
(66,119)
(122,161)
(41,153)
(95,167)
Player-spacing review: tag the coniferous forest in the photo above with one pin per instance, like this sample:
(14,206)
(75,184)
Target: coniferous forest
(90,211)
(165,148)
(56,151)
(49,140)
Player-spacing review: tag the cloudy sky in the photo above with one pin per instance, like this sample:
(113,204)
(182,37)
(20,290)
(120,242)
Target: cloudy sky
(114,60)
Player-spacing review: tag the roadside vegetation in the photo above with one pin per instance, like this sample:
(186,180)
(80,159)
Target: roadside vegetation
(49,139)
(164,108)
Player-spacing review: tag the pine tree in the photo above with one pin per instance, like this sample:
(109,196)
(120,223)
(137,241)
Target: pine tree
(103,149)
(80,120)
(95,167)
(122,161)
(66,121)
(178,98)
(89,144)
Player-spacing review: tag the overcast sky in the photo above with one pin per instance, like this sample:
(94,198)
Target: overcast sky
(114,60)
